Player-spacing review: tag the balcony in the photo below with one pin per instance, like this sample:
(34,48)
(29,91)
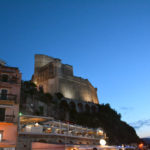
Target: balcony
(8,99)
(7,118)
(35,125)
(8,79)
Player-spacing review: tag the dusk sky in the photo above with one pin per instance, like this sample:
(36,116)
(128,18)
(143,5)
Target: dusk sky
(106,41)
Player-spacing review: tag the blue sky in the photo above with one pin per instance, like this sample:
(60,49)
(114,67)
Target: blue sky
(106,41)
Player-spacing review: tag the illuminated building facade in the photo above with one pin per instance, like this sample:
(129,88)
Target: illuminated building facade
(10,84)
(54,76)
(37,132)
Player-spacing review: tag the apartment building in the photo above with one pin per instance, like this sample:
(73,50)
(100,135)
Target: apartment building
(10,84)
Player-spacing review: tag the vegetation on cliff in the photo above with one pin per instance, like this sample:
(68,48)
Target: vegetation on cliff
(117,131)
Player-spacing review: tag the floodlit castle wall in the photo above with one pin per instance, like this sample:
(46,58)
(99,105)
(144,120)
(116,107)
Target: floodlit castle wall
(79,89)
(53,77)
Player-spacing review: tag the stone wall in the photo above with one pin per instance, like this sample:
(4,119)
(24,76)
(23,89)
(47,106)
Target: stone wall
(55,77)
(77,89)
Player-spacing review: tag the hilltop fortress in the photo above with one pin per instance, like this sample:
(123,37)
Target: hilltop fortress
(54,76)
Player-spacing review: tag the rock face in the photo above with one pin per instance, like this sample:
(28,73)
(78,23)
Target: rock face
(53,76)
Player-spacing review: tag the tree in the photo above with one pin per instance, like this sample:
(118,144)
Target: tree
(59,95)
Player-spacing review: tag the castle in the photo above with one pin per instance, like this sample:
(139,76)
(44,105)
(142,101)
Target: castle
(53,76)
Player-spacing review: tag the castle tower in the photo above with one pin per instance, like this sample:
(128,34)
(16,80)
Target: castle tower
(54,76)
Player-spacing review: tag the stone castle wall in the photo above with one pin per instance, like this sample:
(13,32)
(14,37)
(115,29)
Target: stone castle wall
(55,77)
(77,89)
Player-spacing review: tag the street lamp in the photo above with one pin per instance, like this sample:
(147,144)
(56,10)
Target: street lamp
(102,142)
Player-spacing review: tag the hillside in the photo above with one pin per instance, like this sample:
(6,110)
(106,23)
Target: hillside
(38,103)
(146,140)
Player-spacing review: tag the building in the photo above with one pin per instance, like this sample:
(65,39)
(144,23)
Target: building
(56,77)
(37,132)
(10,84)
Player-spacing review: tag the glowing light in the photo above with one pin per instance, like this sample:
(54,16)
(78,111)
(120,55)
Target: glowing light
(100,132)
(141,146)
(74,149)
(29,127)
(20,114)
(102,142)
(36,124)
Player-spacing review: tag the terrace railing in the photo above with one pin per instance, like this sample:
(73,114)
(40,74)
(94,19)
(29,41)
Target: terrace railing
(9,118)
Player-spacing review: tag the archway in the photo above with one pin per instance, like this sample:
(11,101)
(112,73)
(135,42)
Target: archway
(87,108)
(64,105)
(80,107)
(93,109)
(72,106)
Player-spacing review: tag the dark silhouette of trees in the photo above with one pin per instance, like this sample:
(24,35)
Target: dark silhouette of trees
(59,95)
(117,131)
(28,87)
(45,97)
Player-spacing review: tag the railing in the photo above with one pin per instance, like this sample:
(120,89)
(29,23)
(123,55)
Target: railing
(29,125)
(41,131)
(11,80)
(8,98)
(9,118)
(60,134)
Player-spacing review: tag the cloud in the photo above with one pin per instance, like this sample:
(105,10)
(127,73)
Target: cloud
(126,108)
(140,123)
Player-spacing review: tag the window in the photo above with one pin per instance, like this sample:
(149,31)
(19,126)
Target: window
(2,114)
(60,141)
(3,95)
(4,78)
